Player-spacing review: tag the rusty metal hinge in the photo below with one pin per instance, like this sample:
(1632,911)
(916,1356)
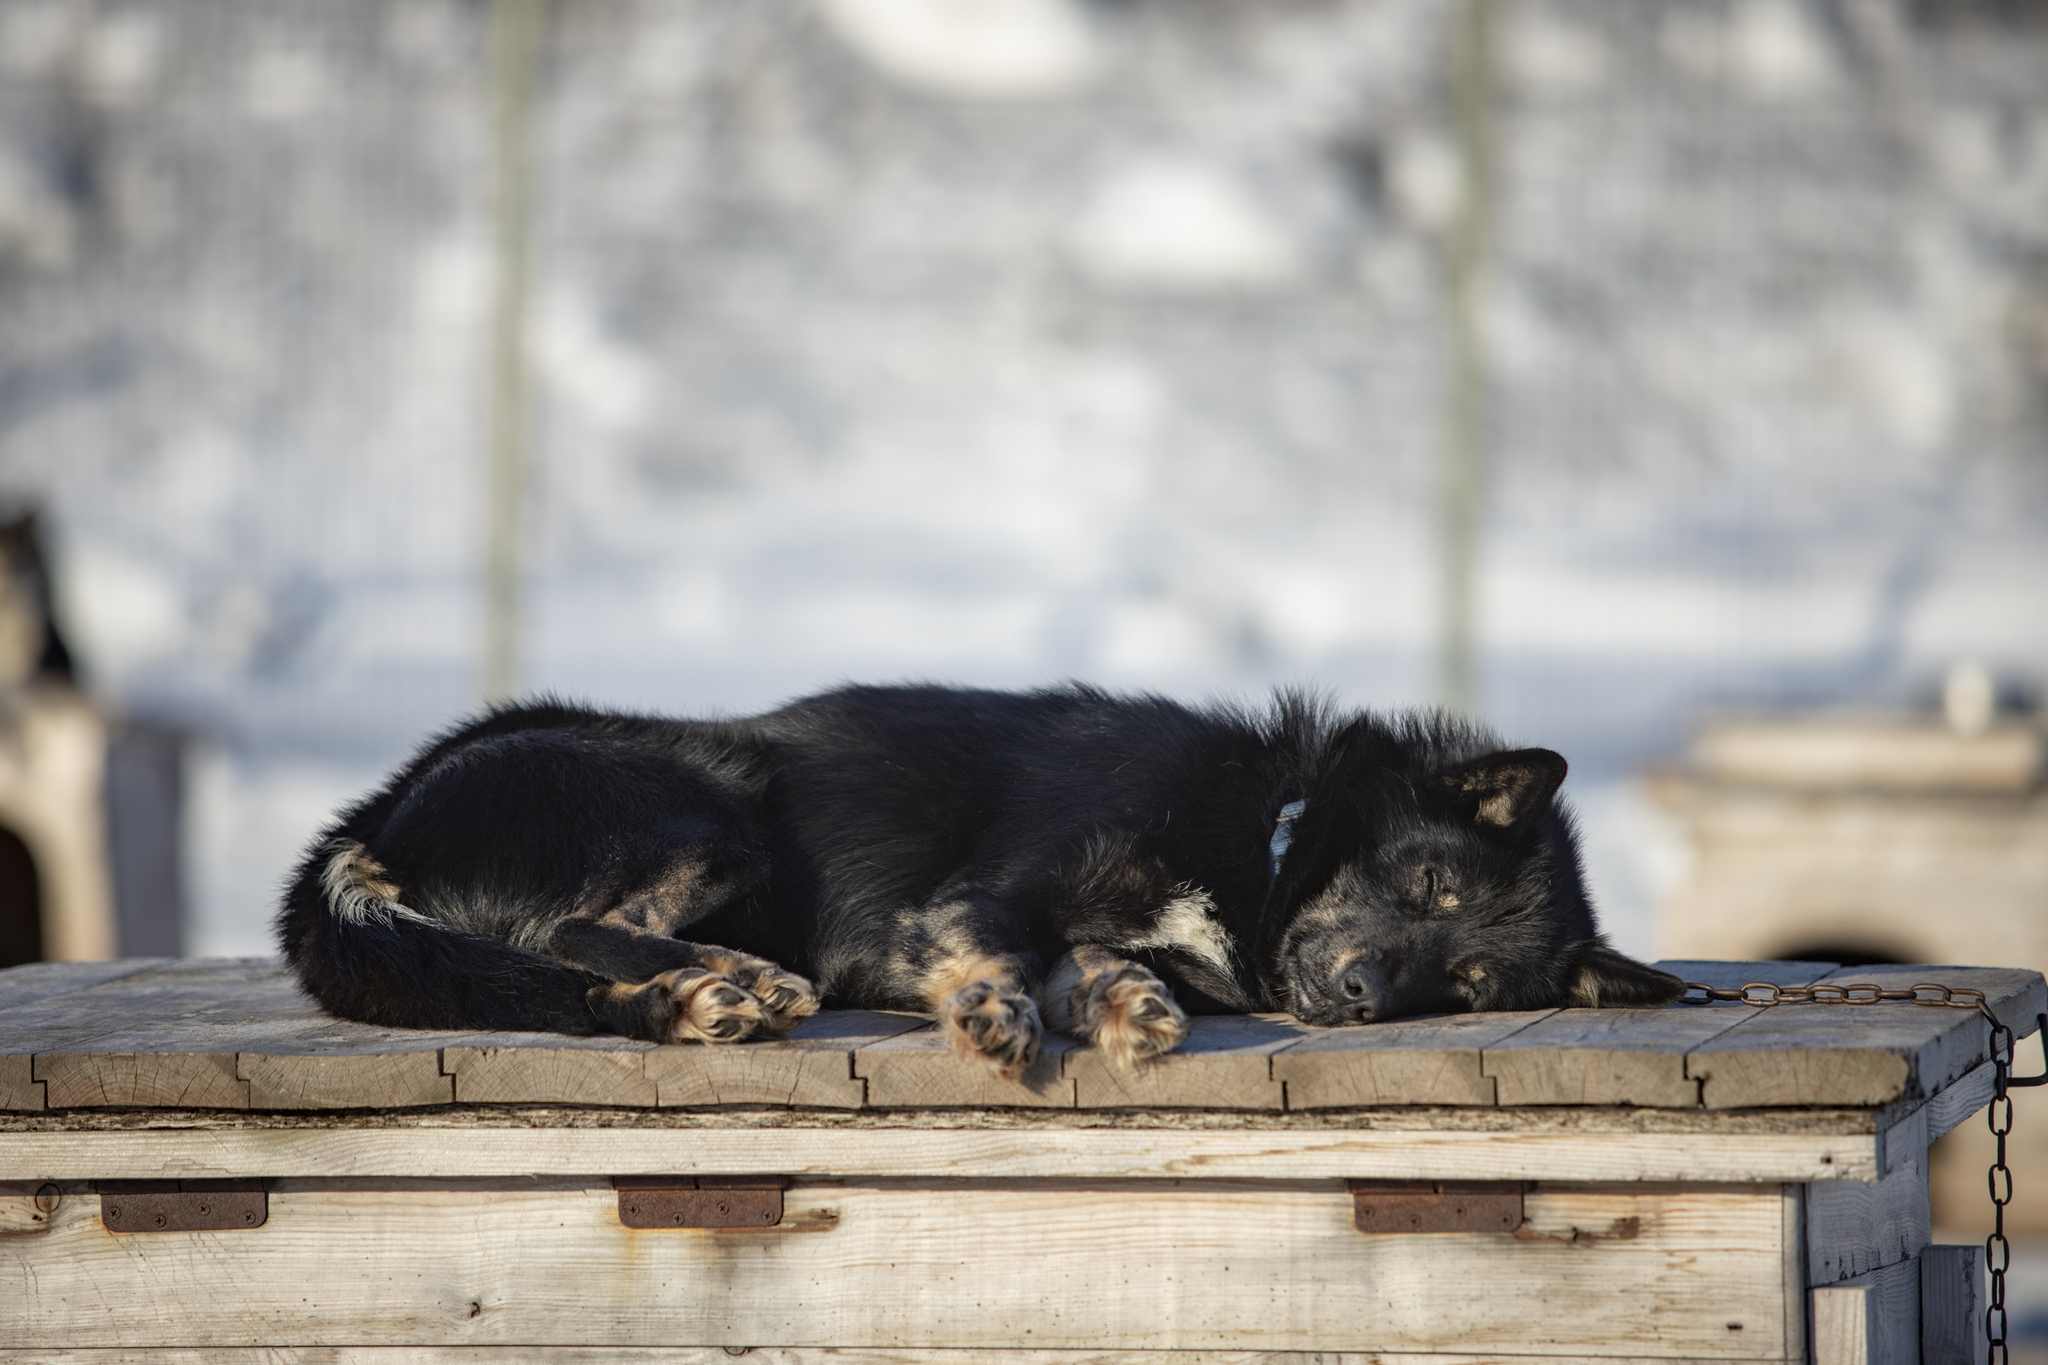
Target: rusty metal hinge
(1436,1205)
(681,1201)
(182,1205)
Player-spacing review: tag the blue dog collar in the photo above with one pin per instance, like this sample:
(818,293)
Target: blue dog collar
(1283,835)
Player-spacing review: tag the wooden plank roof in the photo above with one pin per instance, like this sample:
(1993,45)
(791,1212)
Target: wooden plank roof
(238,1035)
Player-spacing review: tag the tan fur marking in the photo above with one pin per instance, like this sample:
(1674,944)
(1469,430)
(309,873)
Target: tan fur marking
(1586,989)
(1326,913)
(358,887)
(1188,922)
(957,969)
(660,907)
(1498,809)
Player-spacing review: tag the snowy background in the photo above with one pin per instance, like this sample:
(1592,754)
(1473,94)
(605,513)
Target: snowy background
(1005,341)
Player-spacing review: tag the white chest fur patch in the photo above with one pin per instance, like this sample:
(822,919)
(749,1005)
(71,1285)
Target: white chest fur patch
(1188,923)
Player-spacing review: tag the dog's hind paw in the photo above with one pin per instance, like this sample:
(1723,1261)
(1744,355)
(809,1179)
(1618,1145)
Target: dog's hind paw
(788,998)
(996,1023)
(687,1005)
(1129,1014)
(710,1008)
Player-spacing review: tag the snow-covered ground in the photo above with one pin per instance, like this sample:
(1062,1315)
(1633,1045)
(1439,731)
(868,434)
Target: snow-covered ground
(1094,341)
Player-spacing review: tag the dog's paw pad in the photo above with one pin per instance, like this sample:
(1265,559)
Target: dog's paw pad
(995,1023)
(788,998)
(1129,1014)
(710,1008)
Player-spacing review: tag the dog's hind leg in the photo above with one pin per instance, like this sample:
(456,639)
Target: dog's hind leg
(669,989)
(1114,1003)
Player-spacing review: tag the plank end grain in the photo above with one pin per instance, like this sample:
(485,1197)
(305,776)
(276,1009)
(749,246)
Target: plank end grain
(1222,1064)
(141,1080)
(544,1069)
(20,1091)
(811,1068)
(1431,1060)
(345,1080)
(921,1070)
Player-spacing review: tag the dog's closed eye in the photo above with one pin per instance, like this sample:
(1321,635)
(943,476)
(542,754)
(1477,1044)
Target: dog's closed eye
(1429,892)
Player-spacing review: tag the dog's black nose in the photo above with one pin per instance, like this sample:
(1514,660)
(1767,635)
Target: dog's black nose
(1361,992)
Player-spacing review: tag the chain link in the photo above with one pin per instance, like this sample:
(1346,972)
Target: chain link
(1847,993)
(1997,1251)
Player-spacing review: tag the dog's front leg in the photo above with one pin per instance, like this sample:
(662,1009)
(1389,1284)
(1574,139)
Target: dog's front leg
(1114,1003)
(957,959)
(985,1005)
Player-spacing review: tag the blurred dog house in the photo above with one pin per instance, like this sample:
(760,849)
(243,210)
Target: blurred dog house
(89,802)
(1866,839)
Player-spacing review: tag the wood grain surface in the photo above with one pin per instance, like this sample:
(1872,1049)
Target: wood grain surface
(784,1355)
(237,1034)
(1862,1054)
(1585,1146)
(1200,1265)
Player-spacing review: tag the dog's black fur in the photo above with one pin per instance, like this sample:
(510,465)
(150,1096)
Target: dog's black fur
(981,856)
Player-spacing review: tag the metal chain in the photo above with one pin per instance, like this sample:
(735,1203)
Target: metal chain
(1997,1251)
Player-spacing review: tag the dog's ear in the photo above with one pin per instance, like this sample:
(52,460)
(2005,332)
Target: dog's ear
(1511,789)
(1598,977)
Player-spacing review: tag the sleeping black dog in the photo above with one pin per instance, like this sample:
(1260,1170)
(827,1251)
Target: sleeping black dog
(1094,862)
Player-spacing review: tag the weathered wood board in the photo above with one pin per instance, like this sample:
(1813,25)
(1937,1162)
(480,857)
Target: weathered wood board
(1663,1272)
(1863,1054)
(777,1355)
(238,1035)
(1406,1144)
(1700,1181)
(1225,1063)
(1629,1056)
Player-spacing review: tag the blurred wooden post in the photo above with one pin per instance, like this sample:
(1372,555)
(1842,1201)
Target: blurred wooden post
(1462,432)
(516,28)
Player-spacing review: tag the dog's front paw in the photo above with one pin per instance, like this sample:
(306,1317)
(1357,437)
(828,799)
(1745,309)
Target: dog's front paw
(710,1008)
(996,1023)
(1128,1013)
(788,998)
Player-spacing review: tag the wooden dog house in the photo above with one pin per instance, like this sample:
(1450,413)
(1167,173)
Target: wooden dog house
(1887,838)
(199,1164)
(56,883)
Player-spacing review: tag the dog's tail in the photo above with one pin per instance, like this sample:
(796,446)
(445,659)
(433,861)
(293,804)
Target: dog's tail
(365,955)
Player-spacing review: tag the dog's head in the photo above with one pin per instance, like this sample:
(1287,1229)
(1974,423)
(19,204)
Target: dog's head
(1415,886)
